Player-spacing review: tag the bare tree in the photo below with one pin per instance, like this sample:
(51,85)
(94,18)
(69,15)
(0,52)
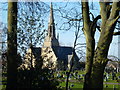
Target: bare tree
(96,59)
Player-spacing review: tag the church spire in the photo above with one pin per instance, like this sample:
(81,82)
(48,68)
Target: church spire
(51,25)
(50,39)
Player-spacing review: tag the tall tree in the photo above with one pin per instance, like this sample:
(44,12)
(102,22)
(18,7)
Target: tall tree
(31,22)
(96,59)
(12,46)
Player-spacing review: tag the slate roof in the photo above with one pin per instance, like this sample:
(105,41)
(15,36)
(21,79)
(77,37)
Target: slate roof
(62,52)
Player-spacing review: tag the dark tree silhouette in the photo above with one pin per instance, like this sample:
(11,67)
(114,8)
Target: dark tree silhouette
(12,46)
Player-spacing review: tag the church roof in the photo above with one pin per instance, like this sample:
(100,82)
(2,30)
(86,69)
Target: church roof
(62,52)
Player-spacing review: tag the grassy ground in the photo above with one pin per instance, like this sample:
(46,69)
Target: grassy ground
(79,85)
(76,83)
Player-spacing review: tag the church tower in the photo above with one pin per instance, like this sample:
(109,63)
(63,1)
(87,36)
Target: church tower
(50,39)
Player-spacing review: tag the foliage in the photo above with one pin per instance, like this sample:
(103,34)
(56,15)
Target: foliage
(36,79)
(30,24)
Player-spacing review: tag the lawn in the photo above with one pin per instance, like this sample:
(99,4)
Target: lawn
(77,83)
(73,85)
(74,82)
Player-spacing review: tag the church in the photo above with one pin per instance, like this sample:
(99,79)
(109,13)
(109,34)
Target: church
(54,56)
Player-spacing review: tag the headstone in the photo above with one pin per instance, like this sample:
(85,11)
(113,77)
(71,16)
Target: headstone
(113,76)
(72,85)
(78,76)
(118,77)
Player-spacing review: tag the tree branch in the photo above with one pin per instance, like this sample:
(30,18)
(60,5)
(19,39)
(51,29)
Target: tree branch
(85,15)
(95,21)
(92,15)
(76,19)
(118,21)
(98,27)
(114,20)
(103,11)
(116,33)
(114,11)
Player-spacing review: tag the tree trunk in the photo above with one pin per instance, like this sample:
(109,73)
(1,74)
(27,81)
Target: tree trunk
(90,43)
(96,60)
(96,80)
(100,57)
(12,46)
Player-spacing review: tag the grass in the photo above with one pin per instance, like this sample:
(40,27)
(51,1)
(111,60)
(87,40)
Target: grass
(79,84)
(0,87)
(76,84)
(112,81)
(111,86)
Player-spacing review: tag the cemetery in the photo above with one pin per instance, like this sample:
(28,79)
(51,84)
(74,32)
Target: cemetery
(60,45)
(76,79)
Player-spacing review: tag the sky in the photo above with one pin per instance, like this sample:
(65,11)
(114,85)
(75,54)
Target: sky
(66,38)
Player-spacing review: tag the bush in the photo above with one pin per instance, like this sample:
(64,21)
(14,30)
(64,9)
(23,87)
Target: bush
(36,79)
